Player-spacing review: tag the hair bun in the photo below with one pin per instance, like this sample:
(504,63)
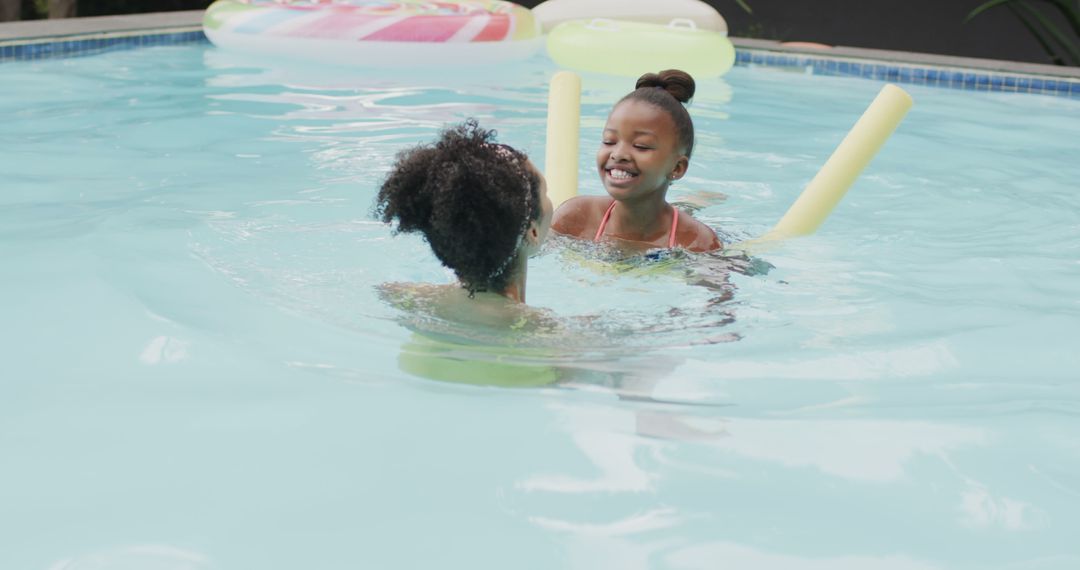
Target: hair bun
(676,82)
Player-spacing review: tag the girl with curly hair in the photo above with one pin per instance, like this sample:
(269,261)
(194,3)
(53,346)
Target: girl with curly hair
(646,145)
(481,206)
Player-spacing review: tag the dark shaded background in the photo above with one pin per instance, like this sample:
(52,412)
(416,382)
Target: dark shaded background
(928,26)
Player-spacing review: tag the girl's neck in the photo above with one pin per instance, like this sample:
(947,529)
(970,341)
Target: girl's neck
(641,220)
(515,288)
(515,285)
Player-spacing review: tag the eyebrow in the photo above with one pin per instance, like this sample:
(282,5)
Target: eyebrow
(637,132)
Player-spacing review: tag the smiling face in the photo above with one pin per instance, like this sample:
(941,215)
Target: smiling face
(639,153)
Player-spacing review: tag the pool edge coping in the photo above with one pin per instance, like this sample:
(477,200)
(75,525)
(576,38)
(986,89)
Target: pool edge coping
(39,31)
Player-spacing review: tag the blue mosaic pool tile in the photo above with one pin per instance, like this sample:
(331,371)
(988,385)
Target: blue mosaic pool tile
(965,79)
(74,47)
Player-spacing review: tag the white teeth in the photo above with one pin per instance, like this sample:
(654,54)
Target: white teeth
(620,174)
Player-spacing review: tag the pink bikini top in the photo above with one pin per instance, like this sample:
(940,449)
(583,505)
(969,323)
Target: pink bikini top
(671,237)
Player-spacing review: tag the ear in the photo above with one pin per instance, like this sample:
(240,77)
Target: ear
(682,164)
(532,234)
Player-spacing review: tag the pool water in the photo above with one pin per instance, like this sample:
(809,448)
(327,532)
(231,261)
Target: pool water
(199,372)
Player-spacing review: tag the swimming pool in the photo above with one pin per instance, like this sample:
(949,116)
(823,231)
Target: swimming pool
(198,372)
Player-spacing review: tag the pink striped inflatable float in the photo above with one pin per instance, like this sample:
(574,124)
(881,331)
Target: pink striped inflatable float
(377,32)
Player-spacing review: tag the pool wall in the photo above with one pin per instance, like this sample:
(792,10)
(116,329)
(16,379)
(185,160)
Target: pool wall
(74,37)
(46,39)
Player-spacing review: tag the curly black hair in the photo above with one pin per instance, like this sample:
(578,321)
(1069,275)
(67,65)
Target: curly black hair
(669,90)
(471,198)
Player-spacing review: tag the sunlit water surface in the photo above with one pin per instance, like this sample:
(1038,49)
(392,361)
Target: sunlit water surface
(198,371)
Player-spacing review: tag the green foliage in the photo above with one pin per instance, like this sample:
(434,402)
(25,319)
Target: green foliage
(1062,46)
(33,9)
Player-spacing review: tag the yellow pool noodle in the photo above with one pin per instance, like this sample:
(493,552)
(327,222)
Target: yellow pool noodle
(563,125)
(843,167)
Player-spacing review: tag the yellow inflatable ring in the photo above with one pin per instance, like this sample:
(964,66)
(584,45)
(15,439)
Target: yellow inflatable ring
(630,49)
(551,13)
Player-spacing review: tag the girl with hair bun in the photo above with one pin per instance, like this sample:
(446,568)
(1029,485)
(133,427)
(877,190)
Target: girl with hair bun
(646,145)
(481,206)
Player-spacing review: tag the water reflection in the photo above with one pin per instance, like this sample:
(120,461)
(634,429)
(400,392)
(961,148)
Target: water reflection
(353,120)
(137,557)
(230,69)
(730,554)
(736,491)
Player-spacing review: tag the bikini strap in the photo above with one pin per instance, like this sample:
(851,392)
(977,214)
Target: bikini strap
(674,227)
(603,222)
(671,236)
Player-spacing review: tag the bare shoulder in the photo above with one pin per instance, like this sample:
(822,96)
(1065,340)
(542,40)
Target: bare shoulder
(696,236)
(579,216)
(431,308)
(409,296)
